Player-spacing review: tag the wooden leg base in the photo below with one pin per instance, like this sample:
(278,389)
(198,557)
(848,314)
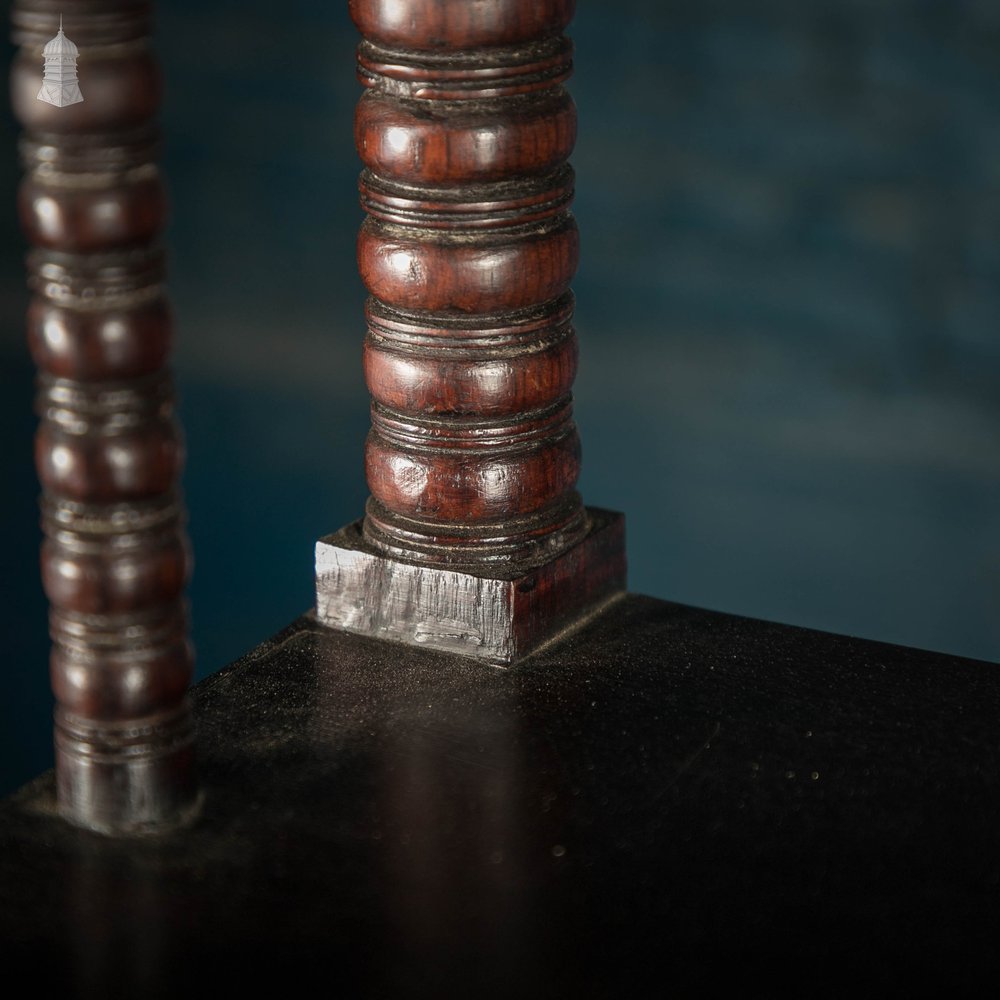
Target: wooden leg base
(127,780)
(494,615)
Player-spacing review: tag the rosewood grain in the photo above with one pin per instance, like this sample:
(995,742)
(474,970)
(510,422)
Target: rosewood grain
(468,251)
(471,142)
(431,24)
(109,452)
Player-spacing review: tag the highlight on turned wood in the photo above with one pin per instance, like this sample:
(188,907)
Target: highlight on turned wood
(468,250)
(115,557)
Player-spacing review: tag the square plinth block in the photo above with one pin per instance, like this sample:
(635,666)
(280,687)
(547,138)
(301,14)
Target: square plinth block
(492,615)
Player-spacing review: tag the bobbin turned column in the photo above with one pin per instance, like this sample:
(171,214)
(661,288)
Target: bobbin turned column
(108,450)
(474,539)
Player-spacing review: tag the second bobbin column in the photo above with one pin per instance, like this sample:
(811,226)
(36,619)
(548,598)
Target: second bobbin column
(109,450)
(468,253)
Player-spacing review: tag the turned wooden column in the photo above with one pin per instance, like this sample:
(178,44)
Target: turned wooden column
(108,451)
(475,538)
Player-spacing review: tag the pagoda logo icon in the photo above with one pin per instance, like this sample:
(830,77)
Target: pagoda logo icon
(60,86)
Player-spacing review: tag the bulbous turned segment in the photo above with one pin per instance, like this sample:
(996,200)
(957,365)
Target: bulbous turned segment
(464,483)
(475,539)
(473,455)
(468,254)
(109,451)
(430,25)
(121,662)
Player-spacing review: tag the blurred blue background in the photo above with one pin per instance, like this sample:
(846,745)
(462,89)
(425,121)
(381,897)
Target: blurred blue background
(788,308)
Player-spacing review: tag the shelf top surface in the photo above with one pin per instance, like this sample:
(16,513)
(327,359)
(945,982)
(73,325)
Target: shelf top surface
(666,789)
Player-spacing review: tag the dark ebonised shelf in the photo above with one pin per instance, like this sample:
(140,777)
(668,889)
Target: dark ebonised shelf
(668,793)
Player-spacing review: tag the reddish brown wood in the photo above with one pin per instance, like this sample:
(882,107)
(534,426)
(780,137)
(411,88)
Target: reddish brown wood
(477,274)
(109,452)
(462,145)
(433,24)
(468,251)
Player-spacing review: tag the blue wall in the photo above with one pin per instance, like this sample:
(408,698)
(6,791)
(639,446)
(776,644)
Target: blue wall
(788,307)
